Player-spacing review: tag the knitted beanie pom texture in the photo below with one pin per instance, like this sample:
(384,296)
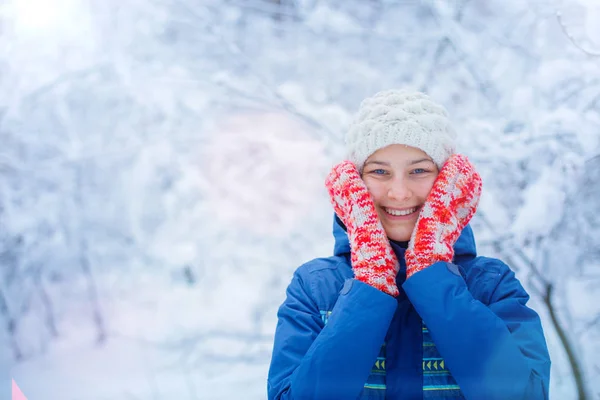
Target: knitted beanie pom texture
(400,117)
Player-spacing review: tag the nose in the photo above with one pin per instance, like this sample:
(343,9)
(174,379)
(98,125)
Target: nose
(399,190)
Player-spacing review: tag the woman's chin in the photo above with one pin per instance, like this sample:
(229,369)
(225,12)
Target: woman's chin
(399,236)
(398,232)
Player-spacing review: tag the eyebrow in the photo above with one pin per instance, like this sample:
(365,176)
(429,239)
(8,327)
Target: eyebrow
(420,160)
(378,163)
(387,164)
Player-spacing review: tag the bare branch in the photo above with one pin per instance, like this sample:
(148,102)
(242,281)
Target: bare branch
(565,30)
(567,345)
(85,264)
(11,327)
(47,304)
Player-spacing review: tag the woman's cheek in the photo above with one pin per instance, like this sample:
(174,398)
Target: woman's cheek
(375,193)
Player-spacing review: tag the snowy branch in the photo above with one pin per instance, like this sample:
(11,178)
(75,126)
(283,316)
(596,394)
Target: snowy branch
(589,52)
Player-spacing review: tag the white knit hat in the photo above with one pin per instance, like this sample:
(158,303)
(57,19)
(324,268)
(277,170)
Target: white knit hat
(400,117)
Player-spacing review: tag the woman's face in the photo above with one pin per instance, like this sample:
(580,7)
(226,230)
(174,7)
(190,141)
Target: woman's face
(399,179)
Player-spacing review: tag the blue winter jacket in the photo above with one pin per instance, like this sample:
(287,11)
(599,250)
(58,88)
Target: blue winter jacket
(460,330)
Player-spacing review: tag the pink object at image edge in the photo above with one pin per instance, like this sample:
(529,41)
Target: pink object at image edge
(16,392)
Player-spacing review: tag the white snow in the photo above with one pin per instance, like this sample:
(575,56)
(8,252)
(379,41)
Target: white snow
(179,150)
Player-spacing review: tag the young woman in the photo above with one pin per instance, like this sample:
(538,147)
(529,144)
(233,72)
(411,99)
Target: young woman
(405,309)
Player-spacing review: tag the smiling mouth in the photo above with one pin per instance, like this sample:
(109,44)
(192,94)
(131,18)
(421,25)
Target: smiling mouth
(401,213)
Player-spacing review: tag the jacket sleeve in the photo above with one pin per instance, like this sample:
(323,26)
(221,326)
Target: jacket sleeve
(494,351)
(313,360)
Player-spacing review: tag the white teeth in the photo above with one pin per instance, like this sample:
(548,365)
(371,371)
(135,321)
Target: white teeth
(400,213)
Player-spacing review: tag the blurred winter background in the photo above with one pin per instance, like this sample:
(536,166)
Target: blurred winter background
(161,169)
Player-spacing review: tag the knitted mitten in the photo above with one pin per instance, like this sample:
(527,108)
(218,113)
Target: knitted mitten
(373,260)
(449,207)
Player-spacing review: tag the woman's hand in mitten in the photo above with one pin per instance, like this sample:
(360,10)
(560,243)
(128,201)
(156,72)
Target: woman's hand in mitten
(449,207)
(373,260)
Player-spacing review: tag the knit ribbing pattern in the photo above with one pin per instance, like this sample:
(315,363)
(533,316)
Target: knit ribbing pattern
(450,206)
(400,117)
(373,260)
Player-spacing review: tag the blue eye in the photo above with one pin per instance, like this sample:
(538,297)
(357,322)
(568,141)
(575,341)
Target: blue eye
(419,171)
(378,171)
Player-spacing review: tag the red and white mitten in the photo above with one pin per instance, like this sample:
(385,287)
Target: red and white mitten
(373,260)
(449,207)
